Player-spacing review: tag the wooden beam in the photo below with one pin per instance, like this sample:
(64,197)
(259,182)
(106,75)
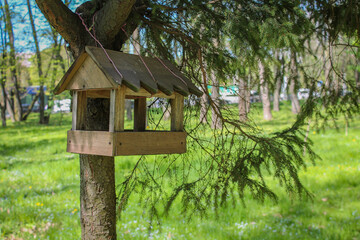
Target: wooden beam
(129,94)
(91,142)
(126,143)
(177,113)
(79,110)
(149,143)
(74,109)
(143,93)
(140,114)
(117,109)
(98,94)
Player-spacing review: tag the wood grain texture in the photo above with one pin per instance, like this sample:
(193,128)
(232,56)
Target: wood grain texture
(89,76)
(62,85)
(91,142)
(74,109)
(126,143)
(117,109)
(177,113)
(98,93)
(149,143)
(140,114)
(143,93)
(81,110)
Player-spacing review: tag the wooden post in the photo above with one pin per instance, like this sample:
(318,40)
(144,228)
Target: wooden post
(79,110)
(117,109)
(177,113)
(140,114)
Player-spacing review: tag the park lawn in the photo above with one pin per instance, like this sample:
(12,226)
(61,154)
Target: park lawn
(39,191)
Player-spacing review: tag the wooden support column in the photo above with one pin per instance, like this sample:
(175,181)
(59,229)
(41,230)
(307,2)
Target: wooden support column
(140,114)
(117,109)
(177,113)
(79,110)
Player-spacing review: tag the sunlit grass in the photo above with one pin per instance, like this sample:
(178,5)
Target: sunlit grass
(39,191)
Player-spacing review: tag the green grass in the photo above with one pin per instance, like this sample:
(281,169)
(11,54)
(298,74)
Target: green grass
(39,191)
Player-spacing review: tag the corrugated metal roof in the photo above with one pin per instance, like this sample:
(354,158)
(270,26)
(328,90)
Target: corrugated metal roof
(165,76)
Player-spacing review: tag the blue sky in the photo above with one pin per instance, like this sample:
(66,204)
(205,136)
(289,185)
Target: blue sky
(22,29)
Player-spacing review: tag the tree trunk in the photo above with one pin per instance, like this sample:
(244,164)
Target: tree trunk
(264,92)
(17,108)
(278,82)
(243,104)
(3,100)
(39,66)
(97,181)
(357,73)
(295,105)
(215,96)
(97,173)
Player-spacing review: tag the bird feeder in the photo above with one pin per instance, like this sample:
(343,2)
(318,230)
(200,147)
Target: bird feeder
(110,74)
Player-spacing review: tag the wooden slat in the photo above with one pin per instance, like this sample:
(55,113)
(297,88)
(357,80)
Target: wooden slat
(89,76)
(74,109)
(81,110)
(119,109)
(112,110)
(140,114)
(62,85)
(149,143)
(177,113)
(98,93)
(91,142)
(143,93)
(126,143)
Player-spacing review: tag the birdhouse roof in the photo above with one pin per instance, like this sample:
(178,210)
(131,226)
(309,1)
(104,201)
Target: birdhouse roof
(133,71)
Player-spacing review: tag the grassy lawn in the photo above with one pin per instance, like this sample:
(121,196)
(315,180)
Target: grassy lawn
(39,191)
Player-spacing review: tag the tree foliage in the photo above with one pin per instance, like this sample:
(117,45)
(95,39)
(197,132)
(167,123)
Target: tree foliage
(227,37)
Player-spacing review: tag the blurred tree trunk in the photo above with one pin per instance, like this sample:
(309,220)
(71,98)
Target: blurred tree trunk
(278,81)
(264,92)
(39,67)
(128,108)
(248,92)
(16,105)
(243,99)
(203,108)
(295,104)
(215,96)
(3,95)
(357,71)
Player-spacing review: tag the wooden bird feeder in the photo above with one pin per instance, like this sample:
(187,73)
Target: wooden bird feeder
(93,75)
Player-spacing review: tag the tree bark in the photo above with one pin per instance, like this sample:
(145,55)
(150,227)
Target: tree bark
(97,181)
(264,92)
(17,108)
(39,67)
(243,104)
(295,105)
(278,82)
(215,96)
